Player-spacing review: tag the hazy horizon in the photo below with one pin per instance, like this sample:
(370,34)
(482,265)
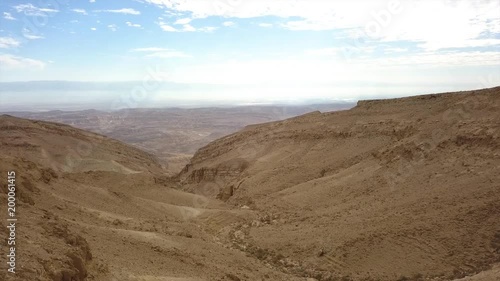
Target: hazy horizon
(74,96)
(232,52)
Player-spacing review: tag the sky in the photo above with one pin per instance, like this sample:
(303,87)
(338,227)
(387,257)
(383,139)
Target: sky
(246,51)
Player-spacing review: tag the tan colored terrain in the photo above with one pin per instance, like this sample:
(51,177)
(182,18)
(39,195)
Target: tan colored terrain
(174,134)
(403,189)
(392,189)
(91,208)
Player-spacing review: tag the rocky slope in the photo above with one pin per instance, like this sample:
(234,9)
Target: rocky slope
(92,208)
(173,134)
(401,189)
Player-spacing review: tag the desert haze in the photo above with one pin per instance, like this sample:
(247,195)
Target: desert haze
(396,189)
(174,134)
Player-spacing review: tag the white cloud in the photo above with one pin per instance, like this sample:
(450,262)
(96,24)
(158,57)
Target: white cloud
(323,52)
(32,36)
(299,25)
(465,24)
(185,28)
(458,42)
(8,42)
(167,55)
(341,52)
(148,49)
(133,24)
(161,52)
(15,62)
(167,27)
(307,9)
(113,27)
(8,16)
(80,11)
(183,21)
(31,10)
(435,24)
(389,50)
(334,69)
(402,57)
(207,29)
(125,11)
(188,28)
(259,72)
(264,24)
(440,59)
(93,28)
(92,1)
(228,23)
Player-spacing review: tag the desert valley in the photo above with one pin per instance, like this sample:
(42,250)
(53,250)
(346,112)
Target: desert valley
(174,134)
(395,189)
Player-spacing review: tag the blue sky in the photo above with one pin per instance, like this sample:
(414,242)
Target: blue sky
(256,50)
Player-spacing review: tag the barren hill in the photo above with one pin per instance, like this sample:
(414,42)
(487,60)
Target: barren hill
(173,134)
(392,189)
(402,189)
(93,208)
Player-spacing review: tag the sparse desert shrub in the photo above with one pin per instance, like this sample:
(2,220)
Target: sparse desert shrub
(28,185)
(321,252)
(346,278)
(261,254)
(417,277)
(47,175)
(323,172)
(232,277)
(495,242)
(277,258)
(25,197)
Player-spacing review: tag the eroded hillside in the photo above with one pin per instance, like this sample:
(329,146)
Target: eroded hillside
(173,134)
(403,189)
(392,189)
(92,208)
